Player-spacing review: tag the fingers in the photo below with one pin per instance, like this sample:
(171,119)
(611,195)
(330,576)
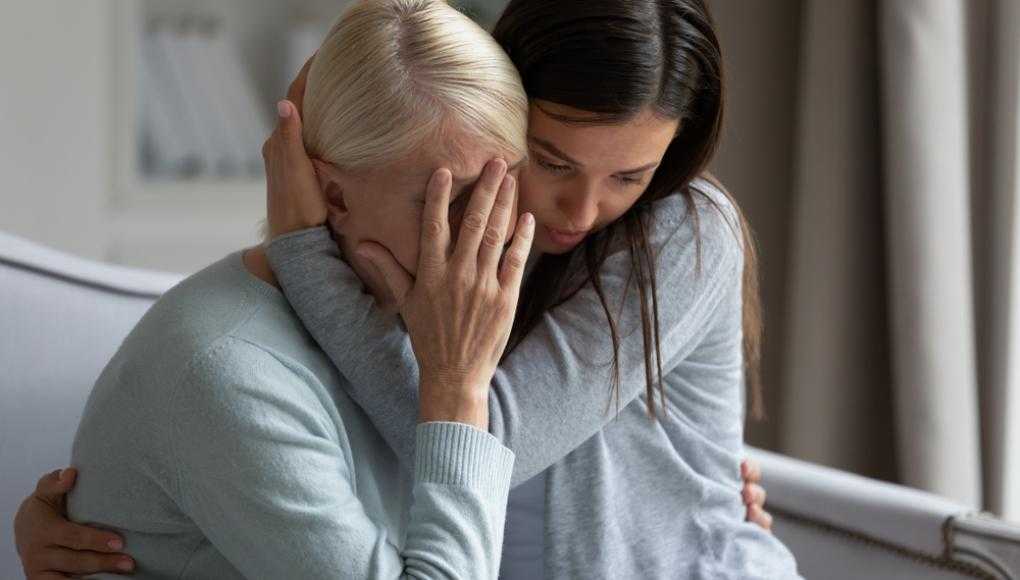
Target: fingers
(754,497)
(286,137)
(750,471)
(289,126)
(499,221)
(78,537)
(296,92)
(54,485)
(511,272)
(758,515)
(753,494)
(398,280)
(294,199)
(51,546)
(476,217)
(79,562)
(435,226)
(45,576)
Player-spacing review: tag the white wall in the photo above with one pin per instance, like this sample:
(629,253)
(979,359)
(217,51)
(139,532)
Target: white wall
(60,114)
(55,122)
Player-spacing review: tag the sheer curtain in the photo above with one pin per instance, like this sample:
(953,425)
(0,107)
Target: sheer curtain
(902,355)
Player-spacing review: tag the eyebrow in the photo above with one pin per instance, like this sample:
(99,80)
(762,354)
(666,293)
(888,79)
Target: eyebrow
(555,150)
(641,169)
(559,153)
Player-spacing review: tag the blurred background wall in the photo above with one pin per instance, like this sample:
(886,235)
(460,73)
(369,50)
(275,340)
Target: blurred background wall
(70,94)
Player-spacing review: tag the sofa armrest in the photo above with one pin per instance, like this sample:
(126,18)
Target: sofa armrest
(830,514)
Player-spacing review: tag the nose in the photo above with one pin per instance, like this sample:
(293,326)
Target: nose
(579,205)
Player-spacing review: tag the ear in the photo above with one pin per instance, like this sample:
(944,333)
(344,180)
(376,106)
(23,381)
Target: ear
(332,184)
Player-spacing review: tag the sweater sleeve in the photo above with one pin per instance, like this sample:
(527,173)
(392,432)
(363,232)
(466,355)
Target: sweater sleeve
(266,474)
(553,391)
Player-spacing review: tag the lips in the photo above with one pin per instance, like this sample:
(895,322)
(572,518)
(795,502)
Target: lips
(565,238)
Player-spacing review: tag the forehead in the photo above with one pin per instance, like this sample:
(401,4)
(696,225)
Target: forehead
(464,156)
(630,143)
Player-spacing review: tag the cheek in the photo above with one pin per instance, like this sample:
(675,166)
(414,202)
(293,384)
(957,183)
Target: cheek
(395,227)
(614,206)
(405,241)
(533,193)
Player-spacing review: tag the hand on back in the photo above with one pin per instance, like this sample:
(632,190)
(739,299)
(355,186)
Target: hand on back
(52,547)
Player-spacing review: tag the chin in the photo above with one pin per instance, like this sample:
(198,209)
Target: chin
(555,251)
(546,247)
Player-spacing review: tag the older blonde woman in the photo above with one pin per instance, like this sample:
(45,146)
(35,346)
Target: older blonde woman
(219,442)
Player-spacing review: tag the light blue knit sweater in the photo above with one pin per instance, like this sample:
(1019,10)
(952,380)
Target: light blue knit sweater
(219,442)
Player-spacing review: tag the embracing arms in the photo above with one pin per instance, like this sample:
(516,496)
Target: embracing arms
(551,393)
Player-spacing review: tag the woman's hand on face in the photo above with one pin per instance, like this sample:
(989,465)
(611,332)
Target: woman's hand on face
(50,546)
(460,307)
(753,494)
(294,200)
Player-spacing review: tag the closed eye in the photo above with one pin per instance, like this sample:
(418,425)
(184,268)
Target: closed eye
(629,180)
(551,167)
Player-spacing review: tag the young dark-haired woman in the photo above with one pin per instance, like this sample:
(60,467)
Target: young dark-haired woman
(639,324)
(623,390)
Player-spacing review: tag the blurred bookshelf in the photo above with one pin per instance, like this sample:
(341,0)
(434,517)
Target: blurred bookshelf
(195,87)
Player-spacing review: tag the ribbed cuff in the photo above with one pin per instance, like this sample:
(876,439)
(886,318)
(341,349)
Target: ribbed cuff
(459,454)
(295,245)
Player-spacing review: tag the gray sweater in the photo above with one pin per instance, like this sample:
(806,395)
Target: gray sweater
(626,496)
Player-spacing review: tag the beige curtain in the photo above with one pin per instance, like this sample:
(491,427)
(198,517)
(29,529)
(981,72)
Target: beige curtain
(904,291)
(1000,343)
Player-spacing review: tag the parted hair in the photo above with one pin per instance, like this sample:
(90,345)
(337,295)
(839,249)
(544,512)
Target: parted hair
(394,74)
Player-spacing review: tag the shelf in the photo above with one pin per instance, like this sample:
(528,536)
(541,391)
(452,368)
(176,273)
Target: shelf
(180,224)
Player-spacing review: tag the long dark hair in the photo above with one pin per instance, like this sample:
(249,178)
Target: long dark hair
(616,58)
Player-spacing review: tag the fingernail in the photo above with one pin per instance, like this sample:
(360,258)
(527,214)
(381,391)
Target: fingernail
(125,565)
(283,109)
(441,176)
(115,544)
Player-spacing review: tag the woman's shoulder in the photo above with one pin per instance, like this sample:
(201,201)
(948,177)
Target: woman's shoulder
(701,212)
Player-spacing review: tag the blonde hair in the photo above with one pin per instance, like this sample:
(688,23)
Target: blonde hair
(392,74)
